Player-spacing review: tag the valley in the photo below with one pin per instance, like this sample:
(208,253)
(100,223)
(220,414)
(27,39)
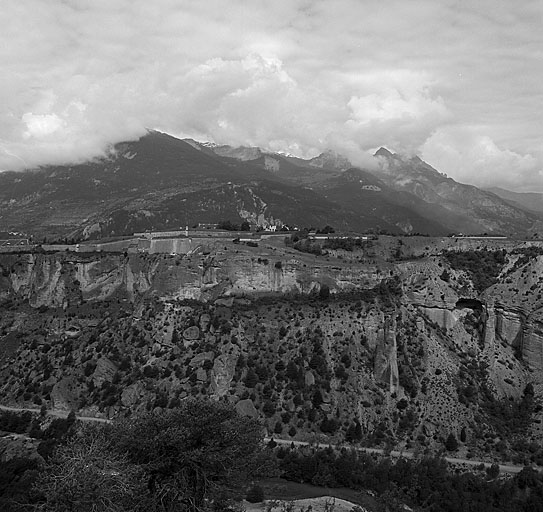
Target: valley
(372,328)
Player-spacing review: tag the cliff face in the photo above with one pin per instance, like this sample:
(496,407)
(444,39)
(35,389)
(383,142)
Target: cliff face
(61,279)
(414,354)
(516,300)
(508,315)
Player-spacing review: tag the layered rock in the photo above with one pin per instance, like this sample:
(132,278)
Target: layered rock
(61,279)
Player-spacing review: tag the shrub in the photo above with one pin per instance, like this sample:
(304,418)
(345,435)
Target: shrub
(451,444)
(255,494)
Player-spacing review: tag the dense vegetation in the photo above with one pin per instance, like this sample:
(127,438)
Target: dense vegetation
(301,242)
(197,457)
(202,456)
(426,484)
(482,266)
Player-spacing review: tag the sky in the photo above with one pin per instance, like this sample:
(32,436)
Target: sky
(459,83)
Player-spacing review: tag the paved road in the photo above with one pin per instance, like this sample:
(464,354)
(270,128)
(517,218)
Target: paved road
(53,412)
(504,468)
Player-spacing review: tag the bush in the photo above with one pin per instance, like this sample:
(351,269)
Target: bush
(255,494)
(451,444)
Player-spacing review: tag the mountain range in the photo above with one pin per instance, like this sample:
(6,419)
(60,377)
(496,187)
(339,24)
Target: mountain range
(162,182)
(528,200)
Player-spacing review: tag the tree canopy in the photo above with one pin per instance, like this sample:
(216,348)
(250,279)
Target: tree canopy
(195,457)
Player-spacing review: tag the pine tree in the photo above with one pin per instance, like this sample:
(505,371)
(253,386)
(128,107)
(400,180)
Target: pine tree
(251,378)
(451,444)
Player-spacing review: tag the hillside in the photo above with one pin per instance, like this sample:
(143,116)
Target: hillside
(468,208)
(160,182)
(402,351)
(531,201)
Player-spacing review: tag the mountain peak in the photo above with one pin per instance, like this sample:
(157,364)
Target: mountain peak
(383,152)
(332,160)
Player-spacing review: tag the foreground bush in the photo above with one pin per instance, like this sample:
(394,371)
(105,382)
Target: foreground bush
(193,458)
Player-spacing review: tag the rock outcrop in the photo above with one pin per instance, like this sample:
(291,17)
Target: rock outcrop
(59,279)
(386,359)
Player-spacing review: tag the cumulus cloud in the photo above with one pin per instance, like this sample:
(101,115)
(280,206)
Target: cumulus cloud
(477,159)
(299,76)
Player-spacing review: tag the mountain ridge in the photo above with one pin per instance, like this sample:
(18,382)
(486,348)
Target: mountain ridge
(532,201)
(160,181)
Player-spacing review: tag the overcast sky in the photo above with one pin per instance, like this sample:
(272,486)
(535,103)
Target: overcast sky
(458,82)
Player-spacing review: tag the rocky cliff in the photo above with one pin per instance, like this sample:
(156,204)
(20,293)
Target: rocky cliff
(59,279)
(410,350)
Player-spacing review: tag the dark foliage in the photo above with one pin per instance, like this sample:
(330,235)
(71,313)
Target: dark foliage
(255,494)
(15,422)
(196,457)
(427,484)
(451,443)
(303,244)
(346,244)
(482,266)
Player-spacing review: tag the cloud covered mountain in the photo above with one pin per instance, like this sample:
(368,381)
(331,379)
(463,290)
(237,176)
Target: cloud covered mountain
(161,182)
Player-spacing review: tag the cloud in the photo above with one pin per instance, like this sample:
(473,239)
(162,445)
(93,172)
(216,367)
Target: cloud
(41,125)
(298,76)
(477,159)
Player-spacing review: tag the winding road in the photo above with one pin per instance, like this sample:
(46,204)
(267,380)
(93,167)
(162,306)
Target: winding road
(53,412)
(504,468)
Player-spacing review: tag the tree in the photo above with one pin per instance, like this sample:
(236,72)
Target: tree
(245,226)
(324,292)
(251,379)
(326,230)
(227,225)
(255,494)
(317,399)
(354,432)
(493,471)
(202,452)
(451,444)
(87,475)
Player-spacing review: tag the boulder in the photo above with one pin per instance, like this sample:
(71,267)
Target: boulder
(132,394)
(198,359)
(205,320)
(223,371)
(246,408)
(65,394)
(104,371)
(226,302)
(191,333)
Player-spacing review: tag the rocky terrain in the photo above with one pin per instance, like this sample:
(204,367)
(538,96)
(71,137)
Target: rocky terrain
(392,343)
